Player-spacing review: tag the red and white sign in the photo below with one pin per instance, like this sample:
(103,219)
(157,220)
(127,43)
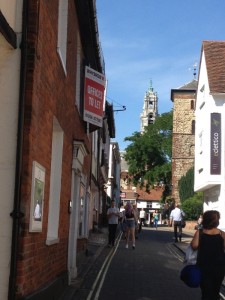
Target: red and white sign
(94,96)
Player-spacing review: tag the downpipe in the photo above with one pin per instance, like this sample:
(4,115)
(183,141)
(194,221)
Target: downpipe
(16,214)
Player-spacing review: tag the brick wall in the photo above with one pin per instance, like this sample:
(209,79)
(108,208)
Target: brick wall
(49,93)
(183,139)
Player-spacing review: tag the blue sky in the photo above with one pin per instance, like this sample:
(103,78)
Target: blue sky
(158,40)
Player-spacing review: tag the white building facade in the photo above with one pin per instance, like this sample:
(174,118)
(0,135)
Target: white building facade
(210,128)
(10,58)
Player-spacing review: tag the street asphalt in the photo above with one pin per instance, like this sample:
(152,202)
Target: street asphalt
(97,247)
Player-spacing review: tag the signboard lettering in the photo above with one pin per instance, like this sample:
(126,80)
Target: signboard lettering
(94,96)
(215,144)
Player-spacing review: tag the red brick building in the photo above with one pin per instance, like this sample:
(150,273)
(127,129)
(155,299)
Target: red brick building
(57,166)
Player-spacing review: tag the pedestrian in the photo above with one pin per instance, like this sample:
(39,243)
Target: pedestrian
(136,211)
(122,221)
(155,218)
(130,224)
(142,217)
(113,215)
(176,216)
(166,213)
(199,223)
(210,242)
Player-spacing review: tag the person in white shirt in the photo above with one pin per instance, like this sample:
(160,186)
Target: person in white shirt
(142,217)
(113,215)
(176,216)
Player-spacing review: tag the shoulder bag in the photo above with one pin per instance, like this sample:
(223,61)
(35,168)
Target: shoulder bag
(191,273)
(183,222)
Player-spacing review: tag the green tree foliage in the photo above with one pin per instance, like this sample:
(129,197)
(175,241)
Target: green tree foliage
(186,185)
(193,206)
(149,154)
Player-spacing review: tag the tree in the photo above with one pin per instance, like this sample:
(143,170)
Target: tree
(192,203)
(193,206)
(149,154)
(186,185)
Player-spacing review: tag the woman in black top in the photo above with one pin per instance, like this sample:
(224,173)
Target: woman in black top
(211,257)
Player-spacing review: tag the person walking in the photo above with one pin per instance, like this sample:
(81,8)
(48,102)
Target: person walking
(210,242)
(130,224)
(142,217)
(155,218)
(136,211)
(199,223)
(122,221)
(113,215)
(176,216)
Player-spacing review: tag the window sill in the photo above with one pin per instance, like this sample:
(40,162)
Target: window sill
(52,241)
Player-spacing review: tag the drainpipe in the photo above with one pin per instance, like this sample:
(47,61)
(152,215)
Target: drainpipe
(16,214)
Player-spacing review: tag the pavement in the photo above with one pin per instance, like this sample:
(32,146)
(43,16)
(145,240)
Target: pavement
(98,241)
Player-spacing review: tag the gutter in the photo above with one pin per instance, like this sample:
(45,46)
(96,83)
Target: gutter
(16,214)
(217,93)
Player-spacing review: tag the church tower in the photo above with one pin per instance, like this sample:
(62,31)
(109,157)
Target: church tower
(183,143)
(150,108)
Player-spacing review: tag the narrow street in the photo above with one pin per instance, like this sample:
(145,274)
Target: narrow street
(150,272)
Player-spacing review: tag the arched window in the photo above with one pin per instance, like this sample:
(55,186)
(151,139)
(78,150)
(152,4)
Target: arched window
(192,150)
(150,118)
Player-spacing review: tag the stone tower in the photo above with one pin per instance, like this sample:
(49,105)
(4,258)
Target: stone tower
(183,132)
(150,108)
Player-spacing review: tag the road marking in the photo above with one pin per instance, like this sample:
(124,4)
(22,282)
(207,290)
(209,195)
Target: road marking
(103,270)
(174,252)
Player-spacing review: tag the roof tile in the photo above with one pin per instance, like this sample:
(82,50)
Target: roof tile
(215,64)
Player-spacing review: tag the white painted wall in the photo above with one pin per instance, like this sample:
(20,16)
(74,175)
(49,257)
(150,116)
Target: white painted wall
(9,86)
(213,186)
(12,11)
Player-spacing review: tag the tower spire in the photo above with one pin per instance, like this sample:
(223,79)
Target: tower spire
(150,86)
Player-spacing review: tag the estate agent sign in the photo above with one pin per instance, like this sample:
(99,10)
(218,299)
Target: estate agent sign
(215,144)
(94,96)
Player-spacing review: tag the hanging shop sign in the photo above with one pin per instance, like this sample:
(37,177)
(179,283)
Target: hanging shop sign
(94,96)
(215,144)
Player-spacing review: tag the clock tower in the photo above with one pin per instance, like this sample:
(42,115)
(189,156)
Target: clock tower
(150,108)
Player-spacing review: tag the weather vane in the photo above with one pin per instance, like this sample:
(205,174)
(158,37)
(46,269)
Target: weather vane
(194,69)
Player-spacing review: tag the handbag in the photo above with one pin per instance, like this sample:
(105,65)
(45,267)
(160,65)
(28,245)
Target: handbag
(190,256)
(191,273)
(183,222)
